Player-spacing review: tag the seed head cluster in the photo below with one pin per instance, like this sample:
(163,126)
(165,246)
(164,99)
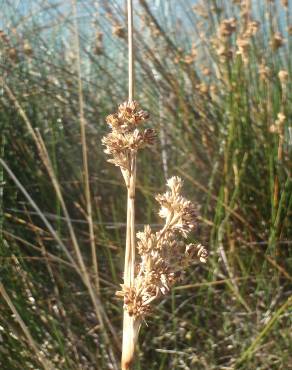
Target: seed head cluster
(126,137)
(227,28)
(163,254)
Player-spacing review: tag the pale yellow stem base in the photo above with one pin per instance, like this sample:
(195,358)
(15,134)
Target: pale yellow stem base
(131,327)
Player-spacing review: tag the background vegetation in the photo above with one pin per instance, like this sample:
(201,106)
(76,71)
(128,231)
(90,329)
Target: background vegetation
(216,78)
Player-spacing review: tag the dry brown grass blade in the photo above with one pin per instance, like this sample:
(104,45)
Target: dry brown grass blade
(84,151)
(279,267)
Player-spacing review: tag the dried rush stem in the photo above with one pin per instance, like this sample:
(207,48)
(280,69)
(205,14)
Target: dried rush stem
(130,327)
(130,331)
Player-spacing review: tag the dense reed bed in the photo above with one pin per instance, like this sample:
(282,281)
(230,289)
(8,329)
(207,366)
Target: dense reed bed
(216,79)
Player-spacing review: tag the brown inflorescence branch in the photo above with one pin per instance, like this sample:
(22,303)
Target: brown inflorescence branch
(163,254)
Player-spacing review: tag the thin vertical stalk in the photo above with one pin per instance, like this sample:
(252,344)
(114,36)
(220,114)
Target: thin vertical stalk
(131,325)
(131,50)
(2,147)
(131,184)
(163,138)
(84,150)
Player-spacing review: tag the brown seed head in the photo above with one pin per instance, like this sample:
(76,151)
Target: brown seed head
(125,137)
(252,28)
(264,72)
(243,48)
(283,77)
(119,31)
(227,27)
(277,41)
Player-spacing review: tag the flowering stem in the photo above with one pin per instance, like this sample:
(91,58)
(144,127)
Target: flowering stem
(130,324)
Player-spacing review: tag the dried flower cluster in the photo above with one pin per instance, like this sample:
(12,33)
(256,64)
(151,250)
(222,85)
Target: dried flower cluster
(277,41)
(277,127)
(119,31)
(125,137)
(186,58)
(222,42)
(227,27)
(283,77)
(264,72)
(243,41)
(163,254)
(98,46)
(148,24)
